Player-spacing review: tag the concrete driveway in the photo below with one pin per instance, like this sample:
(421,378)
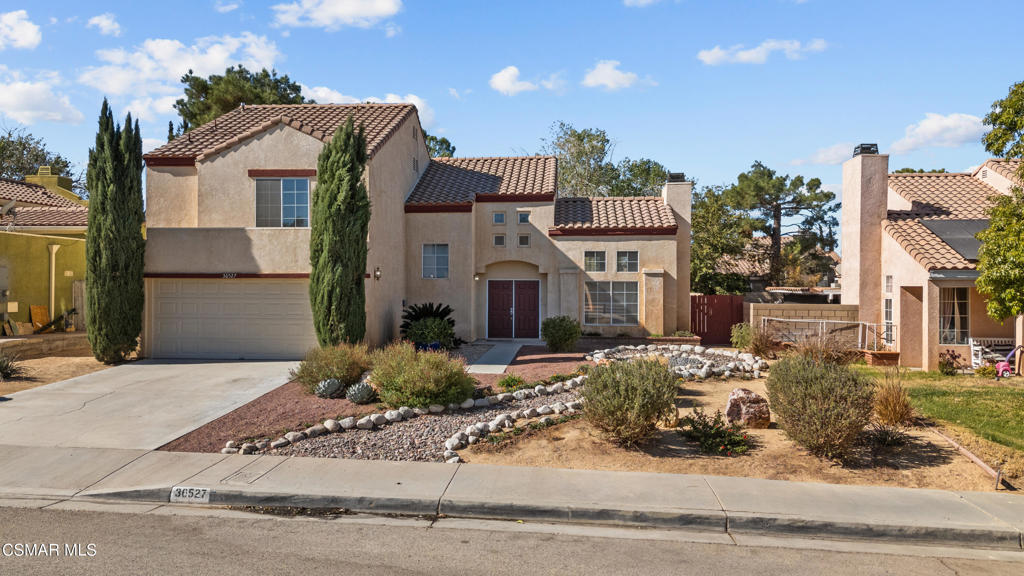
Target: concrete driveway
(141,405)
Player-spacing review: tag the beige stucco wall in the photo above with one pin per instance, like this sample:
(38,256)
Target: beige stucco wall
(227,250)
(996,180)
(865,193)
(171,196)
(455,230)
(227,195)
(982,326)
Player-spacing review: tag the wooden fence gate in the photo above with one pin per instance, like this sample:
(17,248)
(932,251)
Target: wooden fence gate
(712,317)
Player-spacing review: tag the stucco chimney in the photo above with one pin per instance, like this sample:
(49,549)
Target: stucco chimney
(678,195)
(865,191)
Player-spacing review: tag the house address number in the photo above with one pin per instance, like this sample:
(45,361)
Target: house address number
(187,495)
(230,275)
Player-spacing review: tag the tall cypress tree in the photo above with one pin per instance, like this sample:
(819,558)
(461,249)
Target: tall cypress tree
(337,245)
(114,247)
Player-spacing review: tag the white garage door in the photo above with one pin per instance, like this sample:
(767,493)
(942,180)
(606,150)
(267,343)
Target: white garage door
(228,319)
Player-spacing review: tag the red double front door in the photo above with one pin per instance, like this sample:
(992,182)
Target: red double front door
(513,309)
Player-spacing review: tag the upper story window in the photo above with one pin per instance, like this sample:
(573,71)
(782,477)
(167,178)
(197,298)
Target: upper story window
(627,261)
(282,202)
(593,261)
(435,260)
(888,283)
(499,239)
(498,217)
(524,240)
(524,217)
(415,164)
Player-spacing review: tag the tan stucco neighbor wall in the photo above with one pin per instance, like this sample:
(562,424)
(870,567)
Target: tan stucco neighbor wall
(171,196)
(227,250)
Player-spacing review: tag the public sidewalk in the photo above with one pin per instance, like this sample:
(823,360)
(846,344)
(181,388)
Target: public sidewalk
(692,502)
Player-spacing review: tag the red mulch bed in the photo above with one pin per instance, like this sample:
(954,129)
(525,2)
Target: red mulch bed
(283,409)
(290,407)
(537,363)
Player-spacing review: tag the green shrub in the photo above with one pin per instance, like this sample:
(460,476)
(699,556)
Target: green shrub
(405,377)
(345,362)
(511,382)
(415,312)
(740,335)
(714,434)
(560,333)
(426,331)
(629,399)
(986,371)
(821,406)
(10,367)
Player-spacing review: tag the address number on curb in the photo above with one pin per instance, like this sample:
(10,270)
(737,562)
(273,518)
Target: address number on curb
(186,495)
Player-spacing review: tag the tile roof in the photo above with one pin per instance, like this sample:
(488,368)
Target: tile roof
(753,262)
(318,120)
(951,196)
(638,213)
(47,216)
(1007,168)
(32,194)
(465,180)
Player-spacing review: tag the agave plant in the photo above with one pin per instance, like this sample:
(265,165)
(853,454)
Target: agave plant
(361,393)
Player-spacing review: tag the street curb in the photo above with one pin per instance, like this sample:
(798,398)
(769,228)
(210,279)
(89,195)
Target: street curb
(696,520)
(990,538)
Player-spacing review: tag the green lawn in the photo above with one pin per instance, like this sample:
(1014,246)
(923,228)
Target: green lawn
(991,410)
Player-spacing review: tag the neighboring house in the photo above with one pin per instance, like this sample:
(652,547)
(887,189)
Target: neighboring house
(909,255)
(42,246)
(227,257)
(754,266)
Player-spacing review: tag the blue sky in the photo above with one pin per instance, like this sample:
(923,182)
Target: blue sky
(703,87)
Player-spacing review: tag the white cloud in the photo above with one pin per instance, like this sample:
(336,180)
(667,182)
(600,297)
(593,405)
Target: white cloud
(225,6)
(737,54)
(17,31)
(391,29)
(606,74)
(639,3)
(106,23)
(154,69)
(555,82)
(937,130)
(831,155)
(30,101)
(149,109)
(325,95)
(149,144)
(454,93)
(508,83)
(334,14)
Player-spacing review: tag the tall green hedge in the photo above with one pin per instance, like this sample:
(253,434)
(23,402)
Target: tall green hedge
(114,245)
(337,245)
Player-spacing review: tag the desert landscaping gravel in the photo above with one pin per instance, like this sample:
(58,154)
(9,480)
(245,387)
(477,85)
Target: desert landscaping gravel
(420,438)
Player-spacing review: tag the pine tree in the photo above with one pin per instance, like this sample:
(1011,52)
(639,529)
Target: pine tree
(114,245)
(337,247)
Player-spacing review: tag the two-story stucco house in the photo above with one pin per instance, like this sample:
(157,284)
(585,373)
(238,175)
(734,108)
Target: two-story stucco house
(909,256)
(227,256)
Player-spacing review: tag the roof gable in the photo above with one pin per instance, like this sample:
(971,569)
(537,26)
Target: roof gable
(27,193)
(380,122)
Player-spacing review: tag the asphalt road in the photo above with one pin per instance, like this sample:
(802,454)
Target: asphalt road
(247,544)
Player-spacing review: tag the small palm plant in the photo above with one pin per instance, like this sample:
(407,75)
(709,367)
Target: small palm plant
(10,367)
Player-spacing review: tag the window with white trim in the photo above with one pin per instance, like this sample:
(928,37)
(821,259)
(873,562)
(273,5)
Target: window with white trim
(497,217)
(953,316)
(524,217)
(611,304)
(435,260)
(593,261)
(282,202)
(627,261)
(524,240)
(887,319)
(499,239)
(888,283)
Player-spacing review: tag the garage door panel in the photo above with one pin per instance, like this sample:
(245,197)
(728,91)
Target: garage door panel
(231,318)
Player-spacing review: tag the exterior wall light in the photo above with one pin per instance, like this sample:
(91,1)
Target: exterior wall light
(376,273)
(476,277)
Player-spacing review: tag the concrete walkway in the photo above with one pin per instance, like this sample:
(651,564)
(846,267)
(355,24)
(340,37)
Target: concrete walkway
(705,503)
(140,405)
(497,359)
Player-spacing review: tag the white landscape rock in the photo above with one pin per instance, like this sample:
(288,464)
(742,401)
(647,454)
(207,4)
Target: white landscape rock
(348,423)
(294,437)
(279,443)
(467,403)
(435,408)
(378,419)
(393,416)
(364,423)
(332,425)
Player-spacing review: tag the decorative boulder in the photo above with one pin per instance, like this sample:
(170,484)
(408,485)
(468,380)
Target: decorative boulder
(748,408)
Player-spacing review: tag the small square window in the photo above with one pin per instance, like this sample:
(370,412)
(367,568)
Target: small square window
(524,240)
(498,217)
(499,239)
(524,217)
(593,261)
(627,261)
